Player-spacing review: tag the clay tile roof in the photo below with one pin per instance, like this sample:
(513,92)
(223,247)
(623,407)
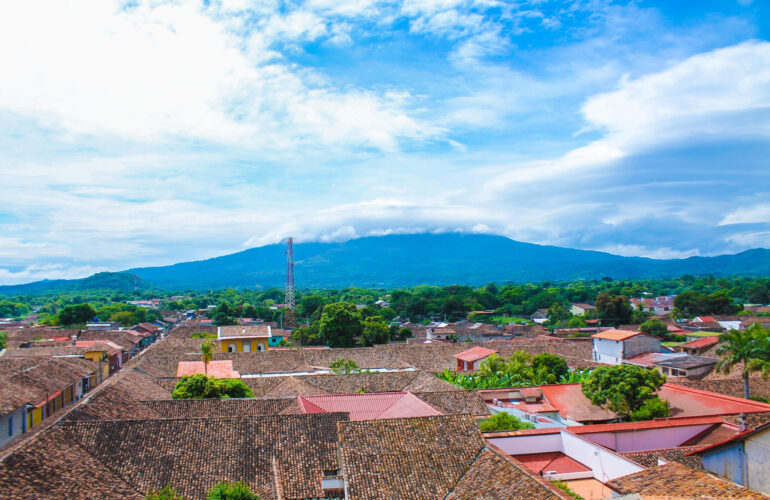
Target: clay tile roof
(408,457)
(286,452)
(492,477)
(649,458)
(677,480)
(616,334)
(474,354)
(216,369)
(369,406)
(211,408)
(52,467)
(449,402)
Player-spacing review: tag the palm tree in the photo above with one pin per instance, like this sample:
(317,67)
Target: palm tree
(749,348)
(344,365)
(207,354)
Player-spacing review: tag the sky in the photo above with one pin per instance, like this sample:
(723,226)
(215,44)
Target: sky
(150,132)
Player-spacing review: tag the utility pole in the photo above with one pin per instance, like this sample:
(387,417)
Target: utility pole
(289,315)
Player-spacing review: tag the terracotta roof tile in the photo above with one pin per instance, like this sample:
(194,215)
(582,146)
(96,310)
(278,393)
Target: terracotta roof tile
(408,458)
(677,480)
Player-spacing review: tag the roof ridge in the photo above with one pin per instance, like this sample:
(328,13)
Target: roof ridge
(130,484)
(470,465)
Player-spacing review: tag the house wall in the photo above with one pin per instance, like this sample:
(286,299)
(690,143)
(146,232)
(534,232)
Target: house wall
(522,445)
(758,457)
(728,462)
(647,439)
(17,428)
(247,345)
(608,351)
(605,464)
(640,344)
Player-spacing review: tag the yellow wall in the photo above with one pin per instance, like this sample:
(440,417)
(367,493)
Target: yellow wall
(94,356)
(239,344)
(34,417)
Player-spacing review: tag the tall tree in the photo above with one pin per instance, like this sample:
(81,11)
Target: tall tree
(613,309)
(340,324)
(747,347)
(622,389)
(207,354)
(375,331)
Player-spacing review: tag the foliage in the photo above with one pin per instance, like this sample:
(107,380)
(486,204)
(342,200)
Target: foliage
(207,354)
(749,347)
(551,363)
(515,371)
(503,421)
(622,389)
(3,339)
(203,335)
(693,303)
(199,386)
(375,332)
(10,309)
(566,489)
(344,365)
(308,335)
(655,407)
(340,324)
(654,327)
(165,493)
(577,322)
(231,491)
(76,315)
(613,310)
(286,342)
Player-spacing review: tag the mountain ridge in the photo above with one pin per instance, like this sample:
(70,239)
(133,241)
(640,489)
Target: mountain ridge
(405,260)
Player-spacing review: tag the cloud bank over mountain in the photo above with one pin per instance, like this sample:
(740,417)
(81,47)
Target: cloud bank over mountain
(151,132)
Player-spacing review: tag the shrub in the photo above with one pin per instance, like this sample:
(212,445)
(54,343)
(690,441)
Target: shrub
(504,422)
(231,491)
(165,493)
(200,386)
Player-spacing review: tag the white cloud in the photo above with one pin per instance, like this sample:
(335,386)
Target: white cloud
(747,215)
(652,253)
(172,70)
(48,271)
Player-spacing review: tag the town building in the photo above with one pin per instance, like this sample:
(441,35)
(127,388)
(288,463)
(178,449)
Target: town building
(743,459)
(471,359)
(244,338)
(613,346)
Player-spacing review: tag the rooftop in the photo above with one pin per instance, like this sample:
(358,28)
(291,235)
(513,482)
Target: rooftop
(616,334)
(244,331)
(475,354)
(369,406)
(677,480)
(222,368)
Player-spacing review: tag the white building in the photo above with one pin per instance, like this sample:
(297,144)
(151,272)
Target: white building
(613,346)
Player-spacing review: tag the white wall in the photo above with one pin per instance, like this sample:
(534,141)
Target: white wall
(605,464)
(758,457)
(18,422)
(608,351)
(522,445)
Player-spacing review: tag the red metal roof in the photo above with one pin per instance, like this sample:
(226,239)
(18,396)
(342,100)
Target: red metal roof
(646,424)
(555,461)
(703,342)
(738,437)
(372,406)
(216,369)
(475,354)
(689,402)
(570,401)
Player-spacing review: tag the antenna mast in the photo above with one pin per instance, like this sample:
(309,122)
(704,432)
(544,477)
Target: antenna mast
(289,316)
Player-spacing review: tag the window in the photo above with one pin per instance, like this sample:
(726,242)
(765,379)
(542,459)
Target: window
(231,347)
(247,347)
(10,425)
(260,346)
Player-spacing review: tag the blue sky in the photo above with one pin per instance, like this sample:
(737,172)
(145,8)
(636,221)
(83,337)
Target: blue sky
(153,132)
